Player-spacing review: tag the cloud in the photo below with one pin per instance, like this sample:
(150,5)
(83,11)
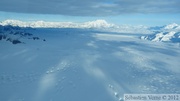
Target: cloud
(90,7)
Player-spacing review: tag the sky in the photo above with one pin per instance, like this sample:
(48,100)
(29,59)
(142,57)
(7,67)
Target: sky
(133,12)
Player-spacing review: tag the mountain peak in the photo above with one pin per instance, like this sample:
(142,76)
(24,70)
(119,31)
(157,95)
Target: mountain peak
(100,21)
(98,24)
(171,26)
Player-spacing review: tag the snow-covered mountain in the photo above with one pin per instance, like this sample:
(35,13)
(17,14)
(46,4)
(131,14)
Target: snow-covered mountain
(16,35)
(97,24)
(171,26)
(164,37)
(168,27)
(168,33)
(43,24)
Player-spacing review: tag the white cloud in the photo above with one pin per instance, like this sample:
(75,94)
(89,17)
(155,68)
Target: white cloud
(90,7)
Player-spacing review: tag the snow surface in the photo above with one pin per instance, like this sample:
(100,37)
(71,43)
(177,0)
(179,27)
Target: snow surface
(86,65)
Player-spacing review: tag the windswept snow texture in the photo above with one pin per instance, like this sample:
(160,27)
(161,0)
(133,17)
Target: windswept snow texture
(168,33)
(86,65)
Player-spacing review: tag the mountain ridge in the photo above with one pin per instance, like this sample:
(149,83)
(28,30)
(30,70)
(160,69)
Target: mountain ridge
(43,24)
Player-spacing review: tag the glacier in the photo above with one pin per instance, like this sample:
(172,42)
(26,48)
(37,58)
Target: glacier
(94,61)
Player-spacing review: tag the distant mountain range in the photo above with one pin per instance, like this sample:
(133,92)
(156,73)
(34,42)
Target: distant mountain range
(97,24)
(43,24)
(167,33)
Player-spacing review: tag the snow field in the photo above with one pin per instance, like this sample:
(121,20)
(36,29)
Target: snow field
(81,65)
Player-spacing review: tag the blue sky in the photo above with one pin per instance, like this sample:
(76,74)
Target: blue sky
(133,12)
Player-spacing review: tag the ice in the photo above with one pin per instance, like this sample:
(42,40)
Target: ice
(88,65)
